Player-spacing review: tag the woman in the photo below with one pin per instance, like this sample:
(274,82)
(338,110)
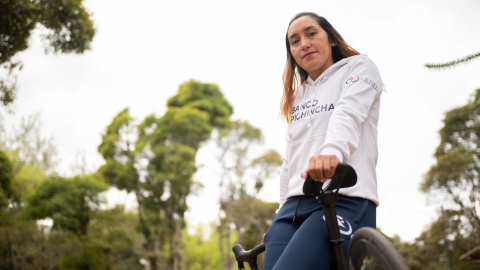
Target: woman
(331,100)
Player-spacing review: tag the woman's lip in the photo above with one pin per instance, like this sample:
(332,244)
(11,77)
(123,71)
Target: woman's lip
(308,54)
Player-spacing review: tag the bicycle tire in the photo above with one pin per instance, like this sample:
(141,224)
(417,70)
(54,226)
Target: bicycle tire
(369,242)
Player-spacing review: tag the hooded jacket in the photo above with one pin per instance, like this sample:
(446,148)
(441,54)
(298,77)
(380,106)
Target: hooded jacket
(337,114)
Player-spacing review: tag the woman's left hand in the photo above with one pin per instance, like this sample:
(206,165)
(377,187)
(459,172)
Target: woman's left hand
(321,167)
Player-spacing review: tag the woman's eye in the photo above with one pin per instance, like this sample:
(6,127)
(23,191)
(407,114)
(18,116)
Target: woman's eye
(295,42)
(312,34)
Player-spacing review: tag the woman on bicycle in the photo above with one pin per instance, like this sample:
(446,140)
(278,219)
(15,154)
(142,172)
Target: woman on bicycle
(331,100)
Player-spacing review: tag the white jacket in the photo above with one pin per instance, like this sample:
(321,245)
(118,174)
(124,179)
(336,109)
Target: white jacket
(336,114)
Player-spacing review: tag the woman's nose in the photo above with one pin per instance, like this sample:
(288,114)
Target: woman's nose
(305,44)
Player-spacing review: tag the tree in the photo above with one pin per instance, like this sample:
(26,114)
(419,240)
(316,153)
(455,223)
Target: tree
(156,161)
(70,30)
(70,203)
(6,194)
(439,246)
(8,85)
(83,236)
(453,63)
(201,252)
(23,243)
(455,174)
(267,165)
(6,179)
(26,145)
(455,179)
(114,230)
(241,213)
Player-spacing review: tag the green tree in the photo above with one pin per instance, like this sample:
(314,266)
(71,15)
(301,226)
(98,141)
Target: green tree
(115,231)
(70,203)
(23,245)
(70,30)
(6,180)
(455,180)
(6,194)
(108,239)
(199,251)
(439,246)
(156,161)
(240,212)
(455,174)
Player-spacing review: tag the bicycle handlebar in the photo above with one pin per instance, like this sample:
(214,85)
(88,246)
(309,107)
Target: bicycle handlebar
(344,177)
(249,256)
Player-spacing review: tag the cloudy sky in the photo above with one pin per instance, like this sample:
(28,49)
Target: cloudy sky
(144,49)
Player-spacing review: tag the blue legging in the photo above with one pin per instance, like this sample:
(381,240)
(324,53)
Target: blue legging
(304,243)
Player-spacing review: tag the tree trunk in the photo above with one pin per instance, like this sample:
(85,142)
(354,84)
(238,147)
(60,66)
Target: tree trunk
(220,244)
(176,245)
(229,257)
(149,246)
(9,244)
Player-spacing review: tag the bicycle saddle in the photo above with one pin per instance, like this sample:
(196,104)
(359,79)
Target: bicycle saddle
(344,177)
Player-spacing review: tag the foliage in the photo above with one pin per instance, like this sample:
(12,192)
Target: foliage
(6,179)
(156,161)
(70,30)
(438,247)
(240,212)
(69,24)
(200,249)
(234,143)
(26,145)
(8,85)
(453,63)
(267,164)
(455,175)
(114,230)
(83,236)
(455,180)
(70,203)
(251,218)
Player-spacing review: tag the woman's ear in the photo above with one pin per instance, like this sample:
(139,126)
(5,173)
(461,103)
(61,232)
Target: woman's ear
(333,43)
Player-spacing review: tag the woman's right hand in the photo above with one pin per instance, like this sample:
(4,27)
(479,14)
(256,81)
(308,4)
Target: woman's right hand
(263,238)
(321,167)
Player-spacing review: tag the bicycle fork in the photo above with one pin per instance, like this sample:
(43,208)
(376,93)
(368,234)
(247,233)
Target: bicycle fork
(328,200)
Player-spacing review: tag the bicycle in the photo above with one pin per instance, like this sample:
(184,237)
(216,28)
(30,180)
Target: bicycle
(364,242)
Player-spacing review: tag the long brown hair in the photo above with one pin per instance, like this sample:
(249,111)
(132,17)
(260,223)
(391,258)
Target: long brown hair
(294,75)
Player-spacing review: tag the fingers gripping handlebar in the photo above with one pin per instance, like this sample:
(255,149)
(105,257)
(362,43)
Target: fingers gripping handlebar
(344,177)
(247,256)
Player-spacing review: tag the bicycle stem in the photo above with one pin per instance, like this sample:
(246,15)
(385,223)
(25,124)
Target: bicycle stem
(328,200)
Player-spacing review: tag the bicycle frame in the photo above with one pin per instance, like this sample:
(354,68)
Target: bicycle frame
(365,242)
(328,199)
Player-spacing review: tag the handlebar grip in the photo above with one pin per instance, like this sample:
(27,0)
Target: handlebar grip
(240,253)
(247,256)
(258,249)
(344,177)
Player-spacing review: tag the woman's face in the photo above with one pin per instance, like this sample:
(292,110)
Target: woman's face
(310,46)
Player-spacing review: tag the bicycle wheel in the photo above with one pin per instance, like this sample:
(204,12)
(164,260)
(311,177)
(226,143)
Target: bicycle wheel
(368,242)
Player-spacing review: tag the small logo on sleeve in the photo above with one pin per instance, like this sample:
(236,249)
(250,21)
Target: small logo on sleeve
(363,79)
(352,79)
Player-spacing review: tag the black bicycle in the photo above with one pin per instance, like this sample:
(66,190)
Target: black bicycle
(364,242)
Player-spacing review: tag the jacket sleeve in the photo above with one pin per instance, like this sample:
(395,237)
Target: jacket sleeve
(361,86)
(284,177)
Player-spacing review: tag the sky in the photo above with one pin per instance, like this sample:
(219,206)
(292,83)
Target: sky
(144,49)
